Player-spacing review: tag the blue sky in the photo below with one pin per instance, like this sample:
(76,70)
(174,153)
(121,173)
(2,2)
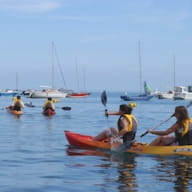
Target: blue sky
(100,38)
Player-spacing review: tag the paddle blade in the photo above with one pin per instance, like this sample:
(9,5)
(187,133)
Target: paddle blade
(104,98)
(66,108)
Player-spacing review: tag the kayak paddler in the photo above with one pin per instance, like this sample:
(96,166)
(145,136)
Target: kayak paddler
(126,125)
(49,104)
(17,103)
(182,130)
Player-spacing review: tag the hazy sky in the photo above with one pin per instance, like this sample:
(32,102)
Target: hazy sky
(100,38)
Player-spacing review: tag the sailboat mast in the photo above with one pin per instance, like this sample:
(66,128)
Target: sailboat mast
(53,72)
(77,73)
(173,71)
(16,80)
(140,66)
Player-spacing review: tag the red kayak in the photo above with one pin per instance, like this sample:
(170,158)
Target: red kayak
(49,112)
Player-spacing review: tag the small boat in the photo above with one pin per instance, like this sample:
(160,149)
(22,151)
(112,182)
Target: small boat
(78,94)
(86,141)
(14,112)
(142,97)
(183,93)
(136,98)
(8,92)
(165,95)
(49,112)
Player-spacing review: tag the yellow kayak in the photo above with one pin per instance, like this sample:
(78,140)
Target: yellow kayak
(85,141)
(14,112)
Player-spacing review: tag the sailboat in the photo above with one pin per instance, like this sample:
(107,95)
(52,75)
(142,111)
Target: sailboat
(49,91)
(146,96)
(147,90)
(78,94)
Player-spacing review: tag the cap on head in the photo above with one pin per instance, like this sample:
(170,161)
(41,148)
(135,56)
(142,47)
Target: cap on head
(132,105)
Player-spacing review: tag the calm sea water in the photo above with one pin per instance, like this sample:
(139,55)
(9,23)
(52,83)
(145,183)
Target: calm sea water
(35,155)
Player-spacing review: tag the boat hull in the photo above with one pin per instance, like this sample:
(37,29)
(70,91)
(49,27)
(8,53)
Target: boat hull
(137,98)
(85,141)
(78,95)
(46,94)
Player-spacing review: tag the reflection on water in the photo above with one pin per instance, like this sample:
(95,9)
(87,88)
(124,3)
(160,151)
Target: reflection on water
(174,172)
(125,166)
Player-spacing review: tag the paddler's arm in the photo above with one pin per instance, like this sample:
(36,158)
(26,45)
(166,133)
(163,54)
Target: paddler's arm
(112,112)
(172,129)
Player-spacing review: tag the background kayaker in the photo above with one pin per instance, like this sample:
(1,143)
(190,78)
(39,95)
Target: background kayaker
(127,125)
(17,103)
(49,104)
(182,129)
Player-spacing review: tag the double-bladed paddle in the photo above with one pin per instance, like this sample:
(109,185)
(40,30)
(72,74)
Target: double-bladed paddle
(66,108)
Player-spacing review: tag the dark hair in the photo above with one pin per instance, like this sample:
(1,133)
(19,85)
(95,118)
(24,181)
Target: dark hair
(182,113)
(125,109)
(18,97)
(49,98)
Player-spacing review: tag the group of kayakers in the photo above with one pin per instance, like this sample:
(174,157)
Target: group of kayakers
(18,104)
(127,128)
(127,125)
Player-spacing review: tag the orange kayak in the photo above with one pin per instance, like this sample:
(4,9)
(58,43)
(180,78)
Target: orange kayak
(14,112)
(86,141)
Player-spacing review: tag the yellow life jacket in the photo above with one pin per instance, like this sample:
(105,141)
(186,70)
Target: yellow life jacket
(18,103)
(48,104)
(130,118)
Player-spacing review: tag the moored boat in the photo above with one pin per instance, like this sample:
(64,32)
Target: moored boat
(183,93)
(85,141)
(49,112)
(8,92)
(166,95)
(142,97)
(45,93)
(78,94)
(14,112)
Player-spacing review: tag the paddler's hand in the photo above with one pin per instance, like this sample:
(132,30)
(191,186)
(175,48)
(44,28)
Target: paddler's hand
(150,131)
(106,113)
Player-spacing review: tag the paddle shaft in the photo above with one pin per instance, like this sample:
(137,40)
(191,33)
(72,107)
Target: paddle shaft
(104,102)
(66,108)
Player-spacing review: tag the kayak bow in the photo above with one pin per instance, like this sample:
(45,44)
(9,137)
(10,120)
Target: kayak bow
(49,112)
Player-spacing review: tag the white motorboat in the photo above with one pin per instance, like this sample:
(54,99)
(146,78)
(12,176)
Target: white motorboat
(166,95)
(183,93)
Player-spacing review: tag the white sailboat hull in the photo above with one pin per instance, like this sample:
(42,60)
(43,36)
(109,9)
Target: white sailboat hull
(165,95)
(46,94)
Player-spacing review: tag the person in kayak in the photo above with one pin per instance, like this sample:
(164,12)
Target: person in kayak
(49,104)
(182,129)
(127,125)
(17,103)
